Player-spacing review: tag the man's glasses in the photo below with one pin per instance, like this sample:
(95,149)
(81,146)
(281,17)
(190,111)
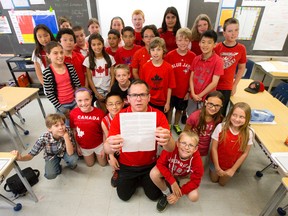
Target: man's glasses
(190,146)
(135,96)
(211,105)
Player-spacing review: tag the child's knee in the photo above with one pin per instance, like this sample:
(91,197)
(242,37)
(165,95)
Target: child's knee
(193,196)
(72,160)
(51,175)
(154,173)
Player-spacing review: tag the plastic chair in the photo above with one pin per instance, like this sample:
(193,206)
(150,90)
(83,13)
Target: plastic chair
(281,93)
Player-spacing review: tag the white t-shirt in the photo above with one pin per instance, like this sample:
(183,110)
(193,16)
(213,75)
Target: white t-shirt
(101,75)
(38,60)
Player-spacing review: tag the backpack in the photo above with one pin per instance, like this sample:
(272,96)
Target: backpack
(15,184)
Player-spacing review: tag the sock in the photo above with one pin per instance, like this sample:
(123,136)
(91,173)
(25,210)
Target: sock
(166,192)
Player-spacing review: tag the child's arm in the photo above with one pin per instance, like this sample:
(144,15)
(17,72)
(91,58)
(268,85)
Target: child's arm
(240,72)
(112,77)
(68,143)
(91,84)
(167,105)
(19,157)
(230,172)
(191,84)
(211,86)
(77,145)
(135,73)
(39,73)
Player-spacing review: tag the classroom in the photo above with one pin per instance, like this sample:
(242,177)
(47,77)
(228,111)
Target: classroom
(86,186)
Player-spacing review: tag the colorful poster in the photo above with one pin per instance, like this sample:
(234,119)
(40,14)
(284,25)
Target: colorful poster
(25,21)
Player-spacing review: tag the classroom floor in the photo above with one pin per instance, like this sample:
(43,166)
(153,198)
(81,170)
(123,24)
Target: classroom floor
(87,191)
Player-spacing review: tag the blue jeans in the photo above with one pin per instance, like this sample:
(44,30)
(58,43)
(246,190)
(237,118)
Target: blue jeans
(69,106)
(53,167)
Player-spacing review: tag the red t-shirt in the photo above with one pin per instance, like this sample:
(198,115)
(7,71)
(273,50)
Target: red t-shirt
(89,132)
(196,48)
(83,52)
(43,57)
(170,39)
(232,56)
(77,61)
(140,57)
(171,165)
(159,79)
(140,158)
(181,66)
(110,52)
(204,70)
(205,136)
(138,39)
(65,91)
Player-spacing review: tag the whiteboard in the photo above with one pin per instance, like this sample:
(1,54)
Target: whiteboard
(153,10)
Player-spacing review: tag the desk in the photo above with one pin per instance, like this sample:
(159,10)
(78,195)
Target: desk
(277,70)
(16,98)
(2,120)
(271,136)
(276,198)
(12,163)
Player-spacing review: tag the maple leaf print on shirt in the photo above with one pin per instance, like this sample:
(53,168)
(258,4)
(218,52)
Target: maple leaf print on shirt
(100,71)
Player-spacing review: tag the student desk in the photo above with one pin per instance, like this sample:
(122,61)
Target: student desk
(4,171)
(277,70)
(277,197)
(16,98)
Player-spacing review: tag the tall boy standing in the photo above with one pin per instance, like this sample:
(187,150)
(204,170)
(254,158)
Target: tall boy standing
(138,20)
(180,59)
(233,54)
(206,69)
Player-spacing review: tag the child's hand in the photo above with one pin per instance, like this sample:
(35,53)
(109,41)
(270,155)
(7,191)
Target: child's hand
(162,136)
(66,134)
(18,155)
(176,189)
(229,172)
(166,107)
(172,199)
(79,152)
(220,172)
(113,162)
(196,97)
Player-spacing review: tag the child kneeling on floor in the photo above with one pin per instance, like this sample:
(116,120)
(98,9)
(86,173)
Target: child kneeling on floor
(184,161)
(58,143)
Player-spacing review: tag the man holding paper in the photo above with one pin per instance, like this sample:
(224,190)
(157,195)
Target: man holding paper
(136,132)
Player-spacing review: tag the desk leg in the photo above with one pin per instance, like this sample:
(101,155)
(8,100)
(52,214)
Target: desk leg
(274,201)
(11,135)
(24,181)
(16,130)
(271,85)
(41,105)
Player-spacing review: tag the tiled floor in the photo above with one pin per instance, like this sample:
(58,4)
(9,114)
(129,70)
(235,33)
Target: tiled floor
(86,191)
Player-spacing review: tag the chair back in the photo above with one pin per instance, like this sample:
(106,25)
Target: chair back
(281,93)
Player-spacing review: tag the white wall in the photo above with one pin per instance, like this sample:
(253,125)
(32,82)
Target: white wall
(153,9)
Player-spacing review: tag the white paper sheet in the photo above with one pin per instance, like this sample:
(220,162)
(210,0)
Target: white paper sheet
(138,131)
(269,67)
(7,4)
(4,26)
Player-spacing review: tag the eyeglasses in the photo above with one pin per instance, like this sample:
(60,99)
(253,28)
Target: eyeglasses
(190,146)
(135,96)
(117,104)
(149,36)
(211,105)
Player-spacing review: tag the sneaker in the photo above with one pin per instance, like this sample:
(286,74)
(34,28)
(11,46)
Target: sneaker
(184,118)
(162,203)
(114,179)
(177,129)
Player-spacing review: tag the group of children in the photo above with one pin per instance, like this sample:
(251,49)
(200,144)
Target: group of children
(185,69)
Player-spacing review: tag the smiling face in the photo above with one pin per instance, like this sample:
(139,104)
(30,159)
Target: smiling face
(207,45)
(97,46)
(202,26)
(213,105)
(117,24)
(157,53)
(113,40)
(83,100)
(114,104)
(182,43)
(56,55)
(122,76)
(65,25)
(43,37)
(58,130)
(231,33)
(238,118)
(137,21)
(186,146)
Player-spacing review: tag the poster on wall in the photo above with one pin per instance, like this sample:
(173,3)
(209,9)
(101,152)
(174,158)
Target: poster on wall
(24,22)
(4,26)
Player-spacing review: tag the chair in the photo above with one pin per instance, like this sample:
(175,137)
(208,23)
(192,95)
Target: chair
(281,93)
(249,68)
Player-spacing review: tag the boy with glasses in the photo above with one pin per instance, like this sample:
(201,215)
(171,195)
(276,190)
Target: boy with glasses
(184,161)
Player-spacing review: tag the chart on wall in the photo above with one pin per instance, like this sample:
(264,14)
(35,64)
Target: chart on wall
(24,22)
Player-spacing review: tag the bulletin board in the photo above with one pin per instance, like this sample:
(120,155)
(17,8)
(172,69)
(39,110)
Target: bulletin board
(77,11)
